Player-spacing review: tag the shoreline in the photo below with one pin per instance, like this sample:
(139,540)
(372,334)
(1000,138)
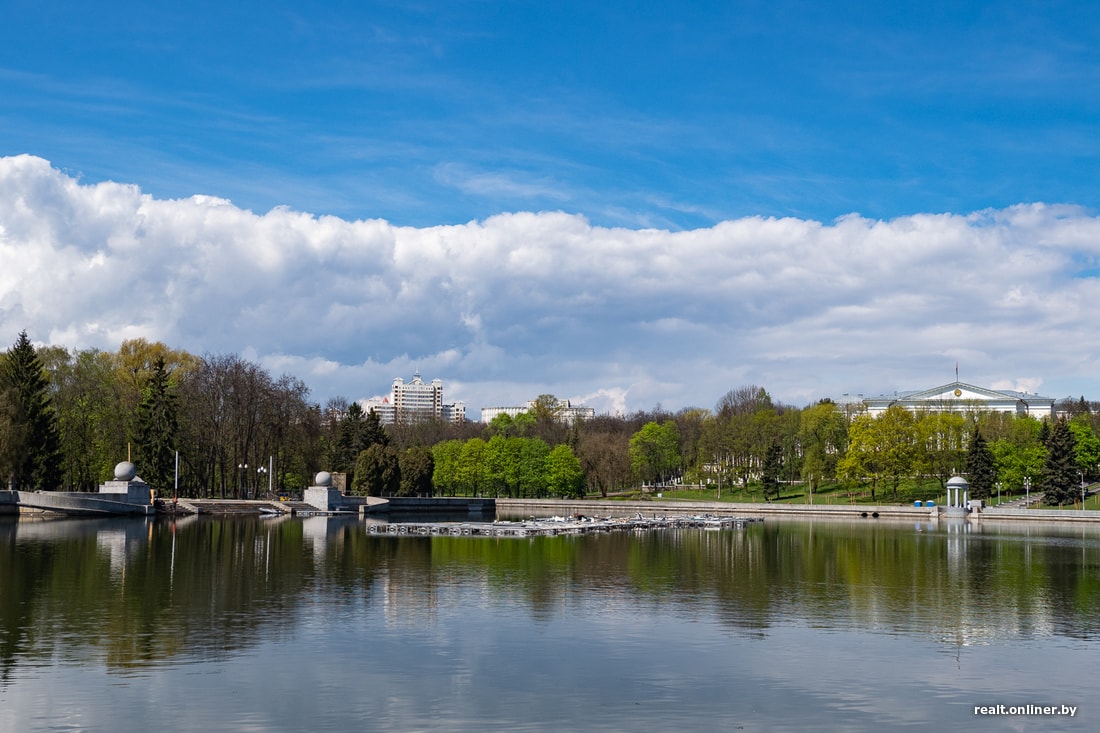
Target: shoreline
(840,511)
(521,508)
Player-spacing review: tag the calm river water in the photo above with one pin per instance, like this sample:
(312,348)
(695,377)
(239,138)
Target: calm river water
(315,625)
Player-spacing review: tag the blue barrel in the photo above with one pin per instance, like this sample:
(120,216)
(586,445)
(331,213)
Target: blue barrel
(918,503)
(931,503)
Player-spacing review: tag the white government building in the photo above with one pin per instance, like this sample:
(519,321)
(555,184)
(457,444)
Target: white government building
(415,401)
(961,397)
(565,412)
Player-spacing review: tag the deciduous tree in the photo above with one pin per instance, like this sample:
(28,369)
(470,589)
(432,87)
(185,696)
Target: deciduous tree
(564,475)
(823,433)
(655,452)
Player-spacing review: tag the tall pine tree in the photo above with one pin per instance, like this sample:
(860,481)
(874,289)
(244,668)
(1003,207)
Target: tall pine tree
(980,471)
(1061,475)
(156,426)
(33,449)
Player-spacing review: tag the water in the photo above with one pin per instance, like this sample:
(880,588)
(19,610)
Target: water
(241,624)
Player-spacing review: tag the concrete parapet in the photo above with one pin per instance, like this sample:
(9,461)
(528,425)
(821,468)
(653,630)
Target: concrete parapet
(9,502)
(1041,515)
(132,492)
(604,508)
(324,498)
(327,499)
(441,504)
(80,504)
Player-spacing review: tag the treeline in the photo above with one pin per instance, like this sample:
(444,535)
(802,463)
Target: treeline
(67,417)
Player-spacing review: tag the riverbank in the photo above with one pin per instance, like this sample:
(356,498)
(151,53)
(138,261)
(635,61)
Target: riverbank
(505,508)
(550,507)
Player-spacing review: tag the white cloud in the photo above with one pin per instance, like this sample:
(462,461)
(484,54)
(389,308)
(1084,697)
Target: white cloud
(524,303)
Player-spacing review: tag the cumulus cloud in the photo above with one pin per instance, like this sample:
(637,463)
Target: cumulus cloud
(526,303)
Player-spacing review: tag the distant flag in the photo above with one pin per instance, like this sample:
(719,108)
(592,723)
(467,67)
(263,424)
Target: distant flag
(956,371)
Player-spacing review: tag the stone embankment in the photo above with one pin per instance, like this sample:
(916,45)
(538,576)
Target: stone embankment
(527,508)
(603,508)
(519,508)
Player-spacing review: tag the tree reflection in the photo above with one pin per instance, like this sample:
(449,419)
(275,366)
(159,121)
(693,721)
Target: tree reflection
(134,593)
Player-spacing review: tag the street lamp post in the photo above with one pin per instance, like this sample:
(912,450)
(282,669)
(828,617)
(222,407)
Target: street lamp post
(1027,492)
(243,467)
(259,474)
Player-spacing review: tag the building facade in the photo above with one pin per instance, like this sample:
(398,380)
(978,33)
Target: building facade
(415,401)
(960,397)
(564,411)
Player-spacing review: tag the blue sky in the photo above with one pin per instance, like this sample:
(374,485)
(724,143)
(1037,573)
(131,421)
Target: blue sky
(636,114)
(629,118)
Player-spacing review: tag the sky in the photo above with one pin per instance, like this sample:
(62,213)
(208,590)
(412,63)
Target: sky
(624,204)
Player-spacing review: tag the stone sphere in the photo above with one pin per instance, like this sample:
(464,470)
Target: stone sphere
(324,478)
(125,471)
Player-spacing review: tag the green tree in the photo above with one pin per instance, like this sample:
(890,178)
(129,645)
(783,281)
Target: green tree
(372,432)
(981,472)
(501,465)
(546,409)
(823,433)
(156,426)
(564,475)
(445,457)
(897,433)
(1060,477)
(377,472)
(350,440)
(90,421)
(655,452)
(34,453)
(1086,445)
(417,467)
(940,447)
(12,431)
(1014,463)
(502,424)
(769,472)
(471,473)
(532,479)
(863,459)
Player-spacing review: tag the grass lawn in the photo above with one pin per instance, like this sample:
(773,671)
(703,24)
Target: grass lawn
(908,492)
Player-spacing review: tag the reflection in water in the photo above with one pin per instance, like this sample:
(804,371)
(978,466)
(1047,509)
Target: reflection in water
(134,596)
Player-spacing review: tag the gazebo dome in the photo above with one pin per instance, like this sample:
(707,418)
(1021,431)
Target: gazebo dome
(957,482)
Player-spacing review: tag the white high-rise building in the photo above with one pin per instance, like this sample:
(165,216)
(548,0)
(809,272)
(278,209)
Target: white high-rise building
(415,401)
